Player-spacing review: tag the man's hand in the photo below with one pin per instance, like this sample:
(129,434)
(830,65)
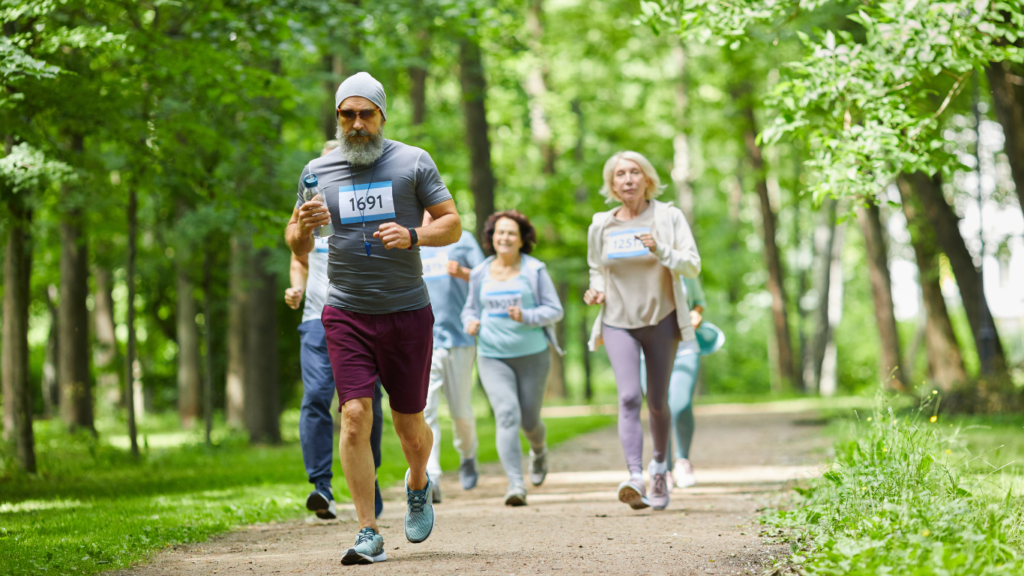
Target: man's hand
(293,297)
(696,319)
(592,297)
(473,328)
(393,235)
(515,313)
(455,270)
(312,215)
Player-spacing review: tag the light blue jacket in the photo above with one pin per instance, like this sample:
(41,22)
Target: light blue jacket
(549,308)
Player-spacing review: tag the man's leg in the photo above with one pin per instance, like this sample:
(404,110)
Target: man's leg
(458,389)
(315,424)
(357,458)
(375,435)
(416,439)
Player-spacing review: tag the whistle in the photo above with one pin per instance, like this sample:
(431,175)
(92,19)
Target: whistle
(367,246)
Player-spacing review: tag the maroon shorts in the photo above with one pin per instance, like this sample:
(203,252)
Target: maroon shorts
(396,347)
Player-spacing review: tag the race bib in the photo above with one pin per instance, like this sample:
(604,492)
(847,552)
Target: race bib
(625,245)
(361,203)
(321,245)
(436,266)
(497,303)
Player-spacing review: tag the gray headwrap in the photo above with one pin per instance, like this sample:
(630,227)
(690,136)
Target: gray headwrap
(362,84)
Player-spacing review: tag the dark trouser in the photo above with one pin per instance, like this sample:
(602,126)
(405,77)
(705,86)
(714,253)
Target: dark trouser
(316,428)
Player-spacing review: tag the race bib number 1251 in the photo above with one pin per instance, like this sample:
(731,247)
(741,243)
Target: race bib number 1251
(361,203)
(624,244)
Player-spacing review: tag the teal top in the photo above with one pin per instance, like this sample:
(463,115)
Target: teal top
(501,336)
(694,293)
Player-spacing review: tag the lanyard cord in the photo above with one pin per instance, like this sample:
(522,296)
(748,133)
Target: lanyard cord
(366,192)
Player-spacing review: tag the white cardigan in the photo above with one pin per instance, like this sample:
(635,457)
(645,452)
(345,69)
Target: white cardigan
(676,251)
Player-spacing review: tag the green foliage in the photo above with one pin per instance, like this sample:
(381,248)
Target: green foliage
(909,493)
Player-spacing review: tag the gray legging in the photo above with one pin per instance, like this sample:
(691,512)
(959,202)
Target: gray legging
(515,388)
(659,344)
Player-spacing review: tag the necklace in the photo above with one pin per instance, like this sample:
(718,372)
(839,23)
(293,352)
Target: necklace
(366,192)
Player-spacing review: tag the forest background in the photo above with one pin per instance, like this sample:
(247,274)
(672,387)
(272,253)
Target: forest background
(151,151)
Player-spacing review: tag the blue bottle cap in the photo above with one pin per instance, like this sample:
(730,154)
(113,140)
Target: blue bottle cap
(310,180)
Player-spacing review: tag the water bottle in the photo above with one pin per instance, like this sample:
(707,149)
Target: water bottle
(311,192)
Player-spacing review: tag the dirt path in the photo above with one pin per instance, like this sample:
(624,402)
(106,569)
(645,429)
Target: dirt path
(573,525)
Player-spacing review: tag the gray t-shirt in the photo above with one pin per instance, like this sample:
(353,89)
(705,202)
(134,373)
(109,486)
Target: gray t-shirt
(316,281)
(397,188)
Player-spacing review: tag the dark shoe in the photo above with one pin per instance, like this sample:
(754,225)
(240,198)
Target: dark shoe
(467,474)
(322,504)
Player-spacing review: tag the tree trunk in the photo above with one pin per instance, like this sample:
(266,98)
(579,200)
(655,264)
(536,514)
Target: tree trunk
(881,291)
(108,382)
(947,230)
(238,329)
(474,93)
(944,357)
(1007,83)
(208,333)
(536,88)
(825,237)
(129,357)
(332,67)
(262,402)
(50,383)
(828,383)
(418,77)
(188,350)
(680,144)
(773,260)
(76,403)
(17,388)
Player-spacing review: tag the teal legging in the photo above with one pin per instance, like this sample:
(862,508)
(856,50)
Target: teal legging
(680,400)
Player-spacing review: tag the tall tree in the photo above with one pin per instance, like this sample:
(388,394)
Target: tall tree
(418,77)
(238,329)
(17,395)
(189,382)
(947,229)
(536,86)
(680,144)
(944,358)
(773,259)
(1007,83)
(474,95)
(825,239)
(108,383)
(262,396)
(892,374)
(76,405)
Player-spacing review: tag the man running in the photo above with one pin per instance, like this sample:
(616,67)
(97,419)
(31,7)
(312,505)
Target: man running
(316,428)
(377,319)
(446,271)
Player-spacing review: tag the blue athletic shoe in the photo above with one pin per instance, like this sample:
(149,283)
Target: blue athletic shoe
(419,520)
(369,548)
(378,502)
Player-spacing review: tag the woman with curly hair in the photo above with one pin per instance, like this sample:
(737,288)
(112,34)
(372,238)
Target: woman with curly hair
(512,308)
(637,252)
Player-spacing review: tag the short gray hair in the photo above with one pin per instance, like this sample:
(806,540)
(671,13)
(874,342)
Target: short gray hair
(654,185)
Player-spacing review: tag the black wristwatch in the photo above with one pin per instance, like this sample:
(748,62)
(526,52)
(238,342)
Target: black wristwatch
(413,238)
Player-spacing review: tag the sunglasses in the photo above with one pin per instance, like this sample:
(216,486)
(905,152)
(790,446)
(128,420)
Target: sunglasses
(363,114)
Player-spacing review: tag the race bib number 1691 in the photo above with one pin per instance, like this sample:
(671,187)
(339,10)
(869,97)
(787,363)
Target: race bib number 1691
(361,203)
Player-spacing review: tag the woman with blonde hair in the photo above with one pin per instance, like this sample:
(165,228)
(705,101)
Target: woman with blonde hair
(636,253)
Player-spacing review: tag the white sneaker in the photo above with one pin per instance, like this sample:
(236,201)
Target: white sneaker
(684,477)
(435,489)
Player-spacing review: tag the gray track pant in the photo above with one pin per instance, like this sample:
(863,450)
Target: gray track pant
(515,388)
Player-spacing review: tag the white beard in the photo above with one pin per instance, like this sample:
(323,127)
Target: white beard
(361,153)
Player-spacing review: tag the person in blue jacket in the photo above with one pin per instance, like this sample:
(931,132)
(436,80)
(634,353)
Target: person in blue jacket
(512,308)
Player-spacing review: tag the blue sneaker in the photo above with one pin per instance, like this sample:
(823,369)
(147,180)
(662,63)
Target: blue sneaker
(369,548)
(378,502)
(419,520)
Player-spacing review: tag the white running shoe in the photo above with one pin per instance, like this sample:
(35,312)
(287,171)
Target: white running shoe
(684,476)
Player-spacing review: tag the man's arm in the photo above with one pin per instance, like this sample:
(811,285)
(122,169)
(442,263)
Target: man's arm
(298,273)
(444,230)
(299,232)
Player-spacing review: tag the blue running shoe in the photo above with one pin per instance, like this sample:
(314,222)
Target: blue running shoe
(419,520)
(378,502)
(369,548)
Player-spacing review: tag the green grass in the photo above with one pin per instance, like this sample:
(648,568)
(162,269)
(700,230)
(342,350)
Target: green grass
(92,508)
(909,494)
